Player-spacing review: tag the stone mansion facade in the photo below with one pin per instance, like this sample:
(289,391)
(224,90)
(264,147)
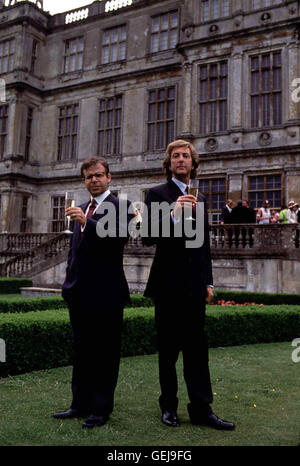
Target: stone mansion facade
(122,78)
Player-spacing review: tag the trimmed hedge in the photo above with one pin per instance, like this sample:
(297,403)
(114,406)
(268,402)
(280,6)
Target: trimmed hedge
(13,285)
(42,340)
(240,325)
(138,300)
(22,304)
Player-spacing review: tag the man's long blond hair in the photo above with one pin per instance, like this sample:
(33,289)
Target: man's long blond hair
(167,159)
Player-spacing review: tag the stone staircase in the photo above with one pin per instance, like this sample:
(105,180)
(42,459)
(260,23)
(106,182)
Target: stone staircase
(27,254)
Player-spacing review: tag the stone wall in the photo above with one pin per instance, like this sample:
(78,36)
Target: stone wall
(242,274)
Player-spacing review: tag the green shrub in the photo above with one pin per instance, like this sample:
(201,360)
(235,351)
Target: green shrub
(238,325)
(35,340)
(139,335)
(13,285)
(30,304)
(21,304)
(40,340)
(138,300)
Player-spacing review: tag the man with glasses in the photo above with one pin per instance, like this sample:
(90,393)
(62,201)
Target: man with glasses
(96,291)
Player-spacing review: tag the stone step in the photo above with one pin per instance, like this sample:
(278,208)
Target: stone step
(33,292)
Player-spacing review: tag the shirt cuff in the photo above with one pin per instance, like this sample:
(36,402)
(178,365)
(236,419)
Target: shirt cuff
(174,220)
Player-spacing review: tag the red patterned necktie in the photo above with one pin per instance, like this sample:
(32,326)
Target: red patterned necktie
(92,207)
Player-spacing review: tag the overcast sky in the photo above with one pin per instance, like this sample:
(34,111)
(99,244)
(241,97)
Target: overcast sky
(57,6)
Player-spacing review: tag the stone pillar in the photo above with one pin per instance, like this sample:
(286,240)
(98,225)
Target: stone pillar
(30,215)
(292,184)
(4,211)
(16,127)
(235,186)
(237,6)
(293,74)
(11,130)
(236,73)
(20,128)
(87,145)
(186,102)
(133,124)
(10,217)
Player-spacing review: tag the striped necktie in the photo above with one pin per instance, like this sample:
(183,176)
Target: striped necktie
(92,207)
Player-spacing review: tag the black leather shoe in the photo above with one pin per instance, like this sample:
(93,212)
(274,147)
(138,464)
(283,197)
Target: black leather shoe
(213,421)
(95,421)
(69,414)
(170,418)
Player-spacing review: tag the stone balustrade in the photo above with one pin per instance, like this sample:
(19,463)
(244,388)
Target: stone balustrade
(264,239)
(23,264)
(34,250)
(22,242)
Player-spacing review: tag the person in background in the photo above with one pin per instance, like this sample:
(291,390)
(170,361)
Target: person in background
(282,218)
(225,216)
(297,236)
(240,214)
(274,217)
(251,218)
(264,213)
(291,212)
(251,215)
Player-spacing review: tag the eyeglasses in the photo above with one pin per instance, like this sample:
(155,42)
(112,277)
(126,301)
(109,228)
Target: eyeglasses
(96,175)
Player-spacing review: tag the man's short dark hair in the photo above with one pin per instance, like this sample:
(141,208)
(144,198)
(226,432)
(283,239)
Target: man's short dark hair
(87,163)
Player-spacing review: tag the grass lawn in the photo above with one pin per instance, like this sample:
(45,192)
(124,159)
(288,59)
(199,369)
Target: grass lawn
(255,386)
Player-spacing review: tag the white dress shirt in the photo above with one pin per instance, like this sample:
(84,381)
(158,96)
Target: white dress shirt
(99,199)
(182,186)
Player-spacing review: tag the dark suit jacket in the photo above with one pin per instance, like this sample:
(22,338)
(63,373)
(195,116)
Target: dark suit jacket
(177,270)
(95,273)
(240,214)
(225,215)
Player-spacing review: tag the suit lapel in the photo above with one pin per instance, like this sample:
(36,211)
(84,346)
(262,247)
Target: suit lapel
(173,191)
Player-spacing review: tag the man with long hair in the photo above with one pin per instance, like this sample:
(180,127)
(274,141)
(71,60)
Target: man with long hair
(180,284)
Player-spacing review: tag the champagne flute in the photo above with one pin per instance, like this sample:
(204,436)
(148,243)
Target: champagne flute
(69,202)
(193,188)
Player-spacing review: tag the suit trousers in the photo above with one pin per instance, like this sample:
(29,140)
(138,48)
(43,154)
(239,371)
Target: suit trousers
(180,327)
(96,356)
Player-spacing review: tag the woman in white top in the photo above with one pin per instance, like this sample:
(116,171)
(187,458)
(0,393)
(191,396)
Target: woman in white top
(264,213)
